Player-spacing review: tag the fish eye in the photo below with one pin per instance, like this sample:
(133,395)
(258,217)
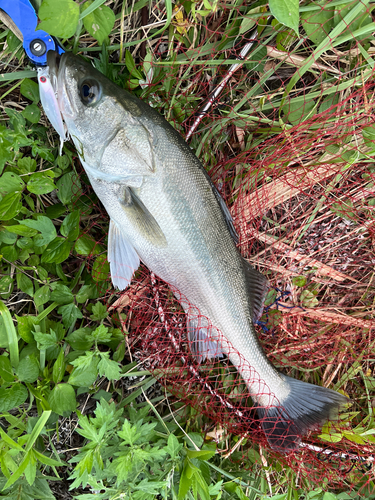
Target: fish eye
(89,92)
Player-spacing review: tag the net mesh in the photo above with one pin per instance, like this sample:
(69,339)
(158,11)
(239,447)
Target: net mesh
(296,170)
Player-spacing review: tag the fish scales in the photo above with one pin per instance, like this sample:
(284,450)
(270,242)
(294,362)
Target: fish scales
(165,211)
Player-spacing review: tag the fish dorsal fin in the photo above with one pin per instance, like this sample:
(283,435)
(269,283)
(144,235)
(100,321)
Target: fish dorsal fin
(122,257)
(140,217)
(257,286)
(226,213)
(201,345)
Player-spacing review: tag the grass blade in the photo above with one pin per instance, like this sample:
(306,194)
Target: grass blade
(11,334)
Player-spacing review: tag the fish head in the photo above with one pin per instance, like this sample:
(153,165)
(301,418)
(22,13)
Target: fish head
(94,109)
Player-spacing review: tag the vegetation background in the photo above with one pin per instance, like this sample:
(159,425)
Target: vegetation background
(79,416)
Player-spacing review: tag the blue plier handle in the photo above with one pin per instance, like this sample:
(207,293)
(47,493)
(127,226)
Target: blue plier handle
(35,42)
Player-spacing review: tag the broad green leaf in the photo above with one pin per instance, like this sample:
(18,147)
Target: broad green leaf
(30,90)
(99,312)
(70,226)
(100,22)
(26,165)
(6,371)
(80,340)
(40,183)
(62,399)
(296,112)
(318,23)
(42,296)
(10,183)
(10,205)
(286,12)
(22,230)
(68,187)
(328,102)
(57,251)
(31,113)
(28,369)
(70,313)
(174,447)
(201,454)
(12,397)
(85,245)
(9,253)
(25,284)
(59,18)
(299,281)
(61,294)
(25,325)
(45,226)
(46,340)
(86,292)
(100,269)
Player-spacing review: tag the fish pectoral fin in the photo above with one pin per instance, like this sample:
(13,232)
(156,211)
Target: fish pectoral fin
(257,286)
(122,257)
(202,345)
(141,218)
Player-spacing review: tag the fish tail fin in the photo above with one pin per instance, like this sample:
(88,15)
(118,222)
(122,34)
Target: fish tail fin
(306,408)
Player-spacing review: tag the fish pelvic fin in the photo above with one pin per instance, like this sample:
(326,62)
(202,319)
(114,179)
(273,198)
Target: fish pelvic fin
(123,259)
(305,409)
(257,286)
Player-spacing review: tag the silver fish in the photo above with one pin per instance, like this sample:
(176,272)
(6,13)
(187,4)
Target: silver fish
(165,212)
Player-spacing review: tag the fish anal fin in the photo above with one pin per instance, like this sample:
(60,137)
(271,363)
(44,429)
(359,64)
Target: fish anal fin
(202,345)
(141,218)
(258,287)
(122,257)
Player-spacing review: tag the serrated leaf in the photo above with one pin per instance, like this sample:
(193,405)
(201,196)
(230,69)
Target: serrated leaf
(10,183)
(30,90)
(70,313)
(99,312)
(110,369)
(57,251)
(85,376)
(59,18)
(45,226)
(286,12)
(100,22)
(10,205)
(62,399)
(40,183)
(28,369)
(174,447)
(12,397)
(46,340)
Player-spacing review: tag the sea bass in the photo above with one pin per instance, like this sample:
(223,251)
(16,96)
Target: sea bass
(165,212)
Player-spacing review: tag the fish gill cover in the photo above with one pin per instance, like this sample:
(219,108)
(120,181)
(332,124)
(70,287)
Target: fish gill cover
(289,144)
